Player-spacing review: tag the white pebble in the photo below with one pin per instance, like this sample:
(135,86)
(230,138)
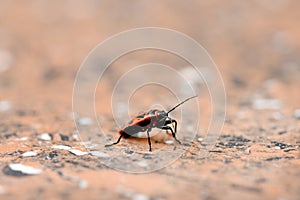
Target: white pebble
(21,139)
(61,147)
(6,59)
(200,139)
(266,104)
(2,190)
(84,121)
(169,142)
(142,164)
(75,137)
(25,169)
(29,154)
(45,136)
(277,147)
(78,152)
(83,184)
(297,113)
(140,197)
(248,151)
(99,154)
(5,105)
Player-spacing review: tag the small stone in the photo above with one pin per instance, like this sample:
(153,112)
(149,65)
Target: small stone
(75,137)
(142,164)
(266,104)
(99,154)
(21,139)
(169,142)
(200,139)
(5,106)
(61,147)
(248,151)
(29,154)
(83,184)
(277,147)
(6,60)
(140,197)
(78,152)
(45,137)
(297,113)
(2,190)
(64,137)
(25,169)
(84,121)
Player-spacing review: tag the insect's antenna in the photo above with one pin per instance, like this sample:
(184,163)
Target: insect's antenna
(180,104)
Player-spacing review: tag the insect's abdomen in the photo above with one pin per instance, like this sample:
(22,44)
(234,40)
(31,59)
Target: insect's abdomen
(135,127)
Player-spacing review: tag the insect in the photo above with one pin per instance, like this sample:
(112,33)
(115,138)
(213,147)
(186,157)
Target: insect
(147,120)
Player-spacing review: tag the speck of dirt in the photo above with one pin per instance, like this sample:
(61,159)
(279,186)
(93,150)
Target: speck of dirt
(64,137)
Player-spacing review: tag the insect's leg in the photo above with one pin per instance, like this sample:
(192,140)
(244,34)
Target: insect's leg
(170,121)
(149,141)
(173,133)
(108,145)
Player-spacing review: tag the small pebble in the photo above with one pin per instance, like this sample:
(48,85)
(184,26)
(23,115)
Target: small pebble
(45,137)
(200,139)
(297,113)
(6,60)
(62,147)
(25,169)
(5,106)
(140,197)
(2,190)
(266,104)
(78,152)
(142,164)
(277,147)
(99,154)
(29,154)
(248,150)
(83,184)
(169,142)
(75,137)
(64,137)
(21,139)
(84,121)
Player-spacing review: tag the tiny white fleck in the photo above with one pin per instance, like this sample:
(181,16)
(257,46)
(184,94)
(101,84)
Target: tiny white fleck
(5,105)
(21,139)
(25,169)
(6,60)
(248,150)
(78,152)
(29,154)
(75,136)
(266,104)
(169,142)
(140,197)
(62,147)
(84,121)
(200,139)
(277,147)
(45,136)
(2,190)
(83,184)
(142,164)
(297,113)
(99,154)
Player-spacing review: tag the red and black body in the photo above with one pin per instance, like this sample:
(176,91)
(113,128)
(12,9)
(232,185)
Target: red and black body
(148,120)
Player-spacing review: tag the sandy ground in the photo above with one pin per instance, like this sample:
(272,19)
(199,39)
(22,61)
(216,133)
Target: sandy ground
(256,47)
